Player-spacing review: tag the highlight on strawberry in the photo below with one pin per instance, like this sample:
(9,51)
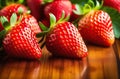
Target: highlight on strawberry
(63,38)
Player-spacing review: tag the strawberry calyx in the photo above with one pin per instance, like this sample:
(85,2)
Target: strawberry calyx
(7,25)
(90,5)
(53,23)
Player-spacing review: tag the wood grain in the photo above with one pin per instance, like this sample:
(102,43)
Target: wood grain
(101,63)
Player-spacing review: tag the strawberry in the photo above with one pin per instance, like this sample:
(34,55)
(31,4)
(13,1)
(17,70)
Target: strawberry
(19,40)
(96,27)
(57,7)
(113,3)
(12,8)
(35,7)
(63,39)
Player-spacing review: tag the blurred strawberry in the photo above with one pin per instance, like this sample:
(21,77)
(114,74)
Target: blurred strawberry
(113,3)
(12,8)
(57,7)
(36,8)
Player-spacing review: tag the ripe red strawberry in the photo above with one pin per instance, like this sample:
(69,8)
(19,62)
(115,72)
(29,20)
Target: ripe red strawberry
(113,3)
(12,8)
(35,7)
(65,40)
(96,27)
(20,41)
(32,22)
(57,7)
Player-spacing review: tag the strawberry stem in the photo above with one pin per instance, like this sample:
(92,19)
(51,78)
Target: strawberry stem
(43,44)
(41,39)
(42,33)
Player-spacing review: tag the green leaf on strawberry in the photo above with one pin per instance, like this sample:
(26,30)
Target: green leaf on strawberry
(115,16)
(42,26)
(13,19)
(90,5)
(52,20)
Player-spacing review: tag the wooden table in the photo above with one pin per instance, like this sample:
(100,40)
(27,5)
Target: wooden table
(101,63)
